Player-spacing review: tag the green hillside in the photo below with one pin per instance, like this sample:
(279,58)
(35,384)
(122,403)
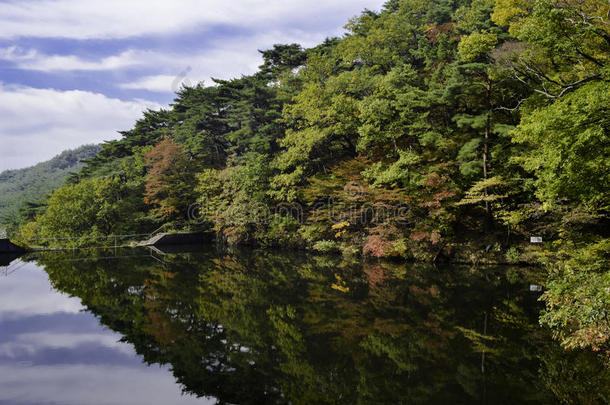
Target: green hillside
(34,183)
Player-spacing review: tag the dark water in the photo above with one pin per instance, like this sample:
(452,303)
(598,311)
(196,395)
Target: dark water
(262,327)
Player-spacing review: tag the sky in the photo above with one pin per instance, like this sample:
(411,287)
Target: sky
(53,351)
(74,72)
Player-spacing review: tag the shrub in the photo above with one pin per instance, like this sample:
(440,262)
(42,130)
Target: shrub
(512,255)
(327,246)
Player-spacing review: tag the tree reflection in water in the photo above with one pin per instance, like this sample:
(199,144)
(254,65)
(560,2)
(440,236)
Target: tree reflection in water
(274,327)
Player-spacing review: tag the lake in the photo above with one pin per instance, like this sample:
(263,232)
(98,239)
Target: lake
(199,326)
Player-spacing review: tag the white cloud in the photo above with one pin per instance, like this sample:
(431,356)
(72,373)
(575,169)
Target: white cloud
(36,124)
(92,384)
(16,54)
(122,19)
(159,83)
(27,293)
(33,60)
(189,69)
(231,57)
(31,343)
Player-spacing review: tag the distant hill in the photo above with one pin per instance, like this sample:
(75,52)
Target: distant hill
(33,183)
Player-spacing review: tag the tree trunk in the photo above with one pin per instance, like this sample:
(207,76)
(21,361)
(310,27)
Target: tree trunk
(486,160)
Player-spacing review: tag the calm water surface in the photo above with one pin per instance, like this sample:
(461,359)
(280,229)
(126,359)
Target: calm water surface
(143,327)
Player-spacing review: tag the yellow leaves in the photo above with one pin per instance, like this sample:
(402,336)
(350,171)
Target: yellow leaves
(340,227)
(340,288)
(340,285)
(485,190)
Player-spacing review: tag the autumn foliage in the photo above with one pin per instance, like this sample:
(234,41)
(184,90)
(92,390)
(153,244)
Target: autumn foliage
(170,180)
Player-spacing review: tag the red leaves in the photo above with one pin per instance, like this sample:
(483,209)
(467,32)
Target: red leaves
(375,274)
(433,180)
(375,246)
(417,236)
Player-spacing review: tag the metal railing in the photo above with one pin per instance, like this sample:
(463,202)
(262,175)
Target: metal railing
(126,240)
(11,268)
(17,264)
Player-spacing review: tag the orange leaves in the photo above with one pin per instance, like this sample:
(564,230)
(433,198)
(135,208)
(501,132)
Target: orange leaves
(433,31)
(162,157)
(170,181)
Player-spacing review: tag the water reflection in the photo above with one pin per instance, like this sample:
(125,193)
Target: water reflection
(262,327)
(53,353)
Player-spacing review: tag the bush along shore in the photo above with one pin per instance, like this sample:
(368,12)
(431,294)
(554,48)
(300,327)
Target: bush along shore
(432,130)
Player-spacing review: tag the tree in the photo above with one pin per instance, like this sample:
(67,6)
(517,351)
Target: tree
(567,43)
(90,209)
(170,180)
(280,59)
(569,147)
(577,297)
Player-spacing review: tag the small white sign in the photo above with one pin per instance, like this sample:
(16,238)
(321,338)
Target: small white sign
(535,239)
(535,288)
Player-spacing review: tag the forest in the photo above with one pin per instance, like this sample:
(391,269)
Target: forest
(25,189)
(433,130)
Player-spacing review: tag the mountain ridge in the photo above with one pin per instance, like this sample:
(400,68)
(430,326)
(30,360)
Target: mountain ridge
(35,182)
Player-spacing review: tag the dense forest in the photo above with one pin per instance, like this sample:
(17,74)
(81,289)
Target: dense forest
(432,130)
(23,189)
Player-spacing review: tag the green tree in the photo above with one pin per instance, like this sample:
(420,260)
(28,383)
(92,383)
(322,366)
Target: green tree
(569,147)
(92,208)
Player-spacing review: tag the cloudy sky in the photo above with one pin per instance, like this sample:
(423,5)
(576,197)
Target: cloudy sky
(74,72)
(54,352)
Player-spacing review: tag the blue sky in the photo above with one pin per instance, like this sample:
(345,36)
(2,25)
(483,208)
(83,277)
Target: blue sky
(76,71)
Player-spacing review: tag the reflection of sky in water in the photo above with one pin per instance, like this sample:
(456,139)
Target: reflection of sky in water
(52,353)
